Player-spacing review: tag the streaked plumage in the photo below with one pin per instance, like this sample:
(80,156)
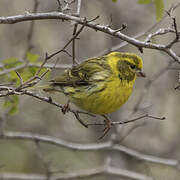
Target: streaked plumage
(100,85)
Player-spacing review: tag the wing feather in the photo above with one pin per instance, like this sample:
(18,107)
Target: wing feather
(84,73)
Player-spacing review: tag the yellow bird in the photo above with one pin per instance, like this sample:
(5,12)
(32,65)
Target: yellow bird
(102,84)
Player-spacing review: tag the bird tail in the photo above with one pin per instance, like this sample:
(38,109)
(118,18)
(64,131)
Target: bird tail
(51,89)
(47,88)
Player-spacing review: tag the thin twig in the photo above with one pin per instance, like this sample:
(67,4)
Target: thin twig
(31,30)
(75,36)
(73,44)
(176,39)
(59,6)
(19,91)
(97,27)
(78,8)
(20,78)
(128,121)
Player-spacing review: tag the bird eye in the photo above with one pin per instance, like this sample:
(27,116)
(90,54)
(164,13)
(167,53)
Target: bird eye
(132,66)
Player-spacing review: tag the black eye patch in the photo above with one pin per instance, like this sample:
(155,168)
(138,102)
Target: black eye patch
(132,66)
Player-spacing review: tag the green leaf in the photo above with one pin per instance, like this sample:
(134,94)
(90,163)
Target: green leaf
(32,71)
(13,110)
(114,1)
(11,62)
(43,70)
(144,1)
(7,104)
(12,77)
(11,103)
(32,58)
(159,9)
(27,73)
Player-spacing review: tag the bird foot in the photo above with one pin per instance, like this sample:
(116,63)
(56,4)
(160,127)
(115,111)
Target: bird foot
(65,108)
(108,126)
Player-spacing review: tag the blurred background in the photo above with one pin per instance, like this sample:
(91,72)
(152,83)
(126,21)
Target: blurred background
(149,136)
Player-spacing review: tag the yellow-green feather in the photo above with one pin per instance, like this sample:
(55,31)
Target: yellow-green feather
(104,87)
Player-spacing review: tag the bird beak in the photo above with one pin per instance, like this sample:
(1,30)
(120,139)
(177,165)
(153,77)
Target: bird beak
(141,74)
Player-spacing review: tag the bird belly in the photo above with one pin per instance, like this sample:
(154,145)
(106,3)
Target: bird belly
(102,98)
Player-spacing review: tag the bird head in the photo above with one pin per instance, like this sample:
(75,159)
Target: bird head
(127,65)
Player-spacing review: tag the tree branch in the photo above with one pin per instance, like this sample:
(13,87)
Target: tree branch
(112,171)
(108,145)
(93,25)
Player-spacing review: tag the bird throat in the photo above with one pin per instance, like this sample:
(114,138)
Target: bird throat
(124,72)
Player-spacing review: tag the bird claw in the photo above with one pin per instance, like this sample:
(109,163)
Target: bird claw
(65,108)
(108,126)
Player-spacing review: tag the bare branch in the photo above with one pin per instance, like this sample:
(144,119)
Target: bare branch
(112,171)
(49,66)
(59,5)
(148,85)
(78,7)
(31,30)
(21,80)
(176,39)
(108,145)
(75,36)
(141,117)
(6,71)
(128,121)
(93,25)
(160,31)
(73,44)
(19,91)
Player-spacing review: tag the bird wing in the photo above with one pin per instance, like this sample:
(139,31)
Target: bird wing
(95,69)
